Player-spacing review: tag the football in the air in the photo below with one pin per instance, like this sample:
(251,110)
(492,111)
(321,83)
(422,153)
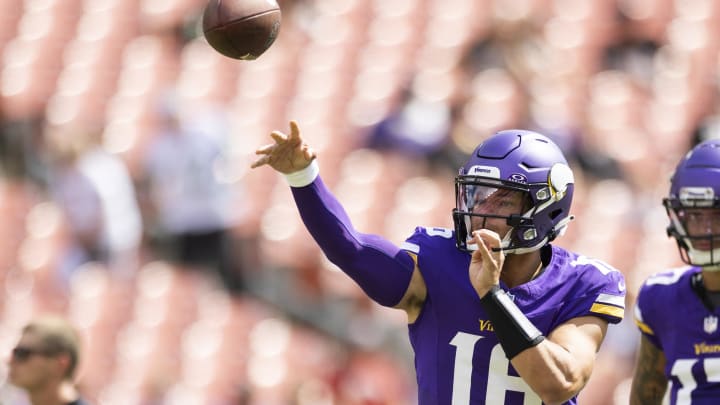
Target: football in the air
(241,29)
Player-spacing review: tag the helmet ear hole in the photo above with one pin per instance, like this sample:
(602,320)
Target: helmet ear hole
(555,213)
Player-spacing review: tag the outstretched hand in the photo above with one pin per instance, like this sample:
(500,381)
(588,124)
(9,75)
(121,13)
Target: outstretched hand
(288,154)
(487,261)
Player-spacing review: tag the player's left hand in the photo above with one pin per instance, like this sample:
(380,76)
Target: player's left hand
(288,154)
(486,262)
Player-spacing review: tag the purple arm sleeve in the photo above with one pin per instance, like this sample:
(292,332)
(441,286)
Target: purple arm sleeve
(379,267)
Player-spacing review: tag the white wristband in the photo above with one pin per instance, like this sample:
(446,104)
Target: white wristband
(303,177)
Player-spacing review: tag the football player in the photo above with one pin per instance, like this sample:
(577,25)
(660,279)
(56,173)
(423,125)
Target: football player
(496,314)
(677,311)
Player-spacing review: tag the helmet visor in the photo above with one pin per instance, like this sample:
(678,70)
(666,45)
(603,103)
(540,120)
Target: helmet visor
(490,204)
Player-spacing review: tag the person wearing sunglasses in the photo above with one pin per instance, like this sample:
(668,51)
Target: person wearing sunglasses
(44,361)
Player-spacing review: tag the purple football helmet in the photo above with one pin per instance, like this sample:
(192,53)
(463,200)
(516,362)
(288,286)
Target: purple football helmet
(693,203)
(515,161)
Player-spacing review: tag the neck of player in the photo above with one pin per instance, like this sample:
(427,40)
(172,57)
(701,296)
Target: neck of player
(711,280)
(519,269)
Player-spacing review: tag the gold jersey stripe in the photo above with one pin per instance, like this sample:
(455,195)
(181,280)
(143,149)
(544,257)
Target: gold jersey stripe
(414,256)
(608,310)
(644,327)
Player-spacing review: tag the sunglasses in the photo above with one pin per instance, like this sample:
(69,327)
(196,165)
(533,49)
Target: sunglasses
(21,354)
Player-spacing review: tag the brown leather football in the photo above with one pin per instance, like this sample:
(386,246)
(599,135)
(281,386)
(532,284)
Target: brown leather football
(241,29)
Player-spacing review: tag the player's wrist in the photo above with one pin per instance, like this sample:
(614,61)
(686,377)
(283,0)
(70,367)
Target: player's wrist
(513,329)
(483,292)
(305,176)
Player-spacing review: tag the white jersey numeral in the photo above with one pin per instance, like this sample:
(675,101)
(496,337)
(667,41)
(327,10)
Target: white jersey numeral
(464,347)
(682,369)
(498,382)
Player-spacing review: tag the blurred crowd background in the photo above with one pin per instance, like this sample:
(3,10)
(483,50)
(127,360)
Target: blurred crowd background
(128,204)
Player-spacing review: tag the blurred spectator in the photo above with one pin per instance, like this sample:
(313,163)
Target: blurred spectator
(188,207)
(417,127)
(44,362)
(19,140)
(708,128)
(597,163)
(94,189)
(636,57)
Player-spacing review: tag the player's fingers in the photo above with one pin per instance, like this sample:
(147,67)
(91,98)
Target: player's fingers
(308,152)
(263,160)
(482,248)
(278,136)
(491,238)
(265,149)
(489,244)
(294,131)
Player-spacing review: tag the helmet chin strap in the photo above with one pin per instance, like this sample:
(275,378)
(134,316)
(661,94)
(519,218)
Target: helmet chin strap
(523,250)
(507,240)
(560,229)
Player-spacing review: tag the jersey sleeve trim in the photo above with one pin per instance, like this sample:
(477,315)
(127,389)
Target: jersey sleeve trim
(411,247)
(644,328)
(616,300)
(414,256)
(304,177)
(609,304)
(602,309)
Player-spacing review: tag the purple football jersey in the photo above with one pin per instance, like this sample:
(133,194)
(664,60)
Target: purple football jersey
(458,359)
(672,316)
